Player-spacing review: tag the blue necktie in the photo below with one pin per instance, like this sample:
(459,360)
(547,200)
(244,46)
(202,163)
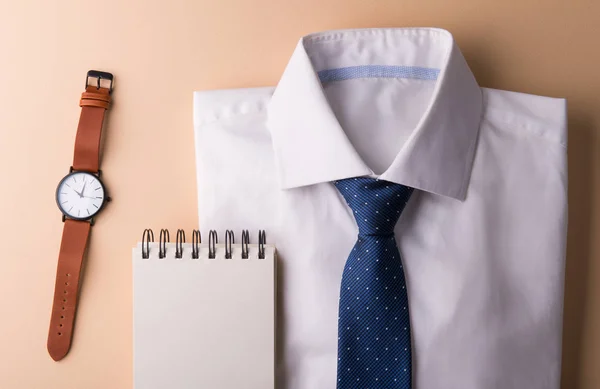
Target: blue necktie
(374,343)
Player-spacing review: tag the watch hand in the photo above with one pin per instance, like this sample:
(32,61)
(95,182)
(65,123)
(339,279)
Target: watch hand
(83,189)
(78,194)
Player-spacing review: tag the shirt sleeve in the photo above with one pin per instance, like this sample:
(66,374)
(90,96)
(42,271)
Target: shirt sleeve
(235,170)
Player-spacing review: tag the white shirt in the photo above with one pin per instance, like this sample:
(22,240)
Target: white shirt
(482,238)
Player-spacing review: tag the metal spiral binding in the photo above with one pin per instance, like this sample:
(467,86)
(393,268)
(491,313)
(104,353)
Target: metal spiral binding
(147,237)
(196,240)
(262,240)
(245,242)
(212,243)
(179,241)
(229,240)
(164,238)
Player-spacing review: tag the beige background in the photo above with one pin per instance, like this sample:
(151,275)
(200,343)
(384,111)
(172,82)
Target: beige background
(160,51)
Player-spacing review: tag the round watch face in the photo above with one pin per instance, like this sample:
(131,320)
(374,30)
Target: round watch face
(80,195)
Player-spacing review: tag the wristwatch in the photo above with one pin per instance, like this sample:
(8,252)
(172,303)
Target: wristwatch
(80,196)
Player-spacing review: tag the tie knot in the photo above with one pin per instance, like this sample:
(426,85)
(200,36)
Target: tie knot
(376,204)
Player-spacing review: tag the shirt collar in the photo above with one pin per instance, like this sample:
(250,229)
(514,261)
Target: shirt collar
(310,145)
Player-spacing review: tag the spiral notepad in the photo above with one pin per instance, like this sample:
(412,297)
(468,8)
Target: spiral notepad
(204,313)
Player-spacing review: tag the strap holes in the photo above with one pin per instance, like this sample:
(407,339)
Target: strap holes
(60,325)
(64,301)
(63,308)
(66,283)
(62,317)
(60,333)
(68,275)
(64,291)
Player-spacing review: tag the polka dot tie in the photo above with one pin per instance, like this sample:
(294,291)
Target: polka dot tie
(374,343)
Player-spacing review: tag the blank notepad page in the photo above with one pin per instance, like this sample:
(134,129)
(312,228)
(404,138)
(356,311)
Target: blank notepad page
(204,323)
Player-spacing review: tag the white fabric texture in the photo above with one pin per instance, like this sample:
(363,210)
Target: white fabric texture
(482,238)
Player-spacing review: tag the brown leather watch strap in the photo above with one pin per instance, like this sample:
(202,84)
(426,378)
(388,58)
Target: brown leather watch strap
(94,103)
(70,259)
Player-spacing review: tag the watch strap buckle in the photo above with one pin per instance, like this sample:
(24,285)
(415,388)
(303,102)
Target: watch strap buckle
(99,76)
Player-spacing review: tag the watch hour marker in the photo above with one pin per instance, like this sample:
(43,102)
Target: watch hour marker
(98,188)
(78,213)
(71,208)
(88,211)
(67,185)
(63,193)
(98,197)
(95,205)
(64,202)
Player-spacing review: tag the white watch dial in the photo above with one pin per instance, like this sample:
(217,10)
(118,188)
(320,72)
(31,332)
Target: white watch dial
(80,195)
